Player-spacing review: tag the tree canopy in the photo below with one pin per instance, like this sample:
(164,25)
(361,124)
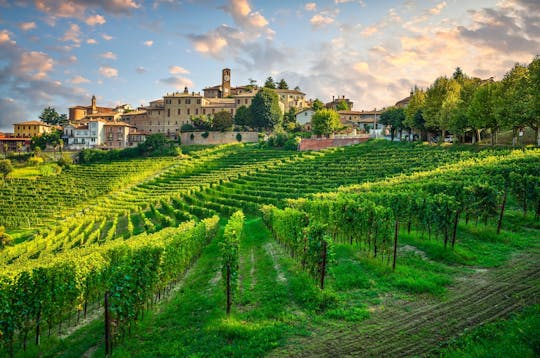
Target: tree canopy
(269,83)
(343,106)
(282,84)
(50,116)
(317,105)
(325,122)
(5,167)
(243,117)
(395,118)
(265,110)
(222,121)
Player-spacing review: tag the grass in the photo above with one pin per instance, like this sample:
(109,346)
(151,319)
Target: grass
(515,337)
(277,301)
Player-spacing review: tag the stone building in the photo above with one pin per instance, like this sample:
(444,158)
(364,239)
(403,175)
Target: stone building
(31,129)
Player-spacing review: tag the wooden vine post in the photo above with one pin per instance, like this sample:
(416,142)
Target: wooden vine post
(396,231)
(108,341)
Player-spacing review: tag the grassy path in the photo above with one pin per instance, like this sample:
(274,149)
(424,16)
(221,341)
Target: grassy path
(417,328)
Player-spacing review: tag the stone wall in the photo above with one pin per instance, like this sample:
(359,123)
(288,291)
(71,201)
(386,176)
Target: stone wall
(322,143)
(190,138)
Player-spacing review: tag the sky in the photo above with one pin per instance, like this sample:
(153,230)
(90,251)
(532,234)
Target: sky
(60,53)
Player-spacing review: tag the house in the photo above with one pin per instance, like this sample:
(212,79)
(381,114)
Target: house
(117,134)
(336,101)
(10,143)
(363,120)
(304,116)
(81,136)
(404,102)
(31,129)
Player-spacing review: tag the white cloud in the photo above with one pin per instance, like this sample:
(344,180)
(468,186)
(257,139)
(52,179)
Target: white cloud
(107,71)
(26,26)
(438,8)
(177,70)
(5,38)
(310,6)
(140,70)
(108,55)
(77,8)
(148,43)
(320,20)
(72,34)
(106,37)
(35,64)
(79,79)
(91,42)
(177,83)
(95,20)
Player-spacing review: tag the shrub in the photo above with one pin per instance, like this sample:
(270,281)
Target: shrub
(35,161)
(239,137)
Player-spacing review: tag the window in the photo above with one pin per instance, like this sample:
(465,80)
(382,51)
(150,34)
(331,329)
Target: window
(179,111)
(238,101)
(178,101)
(204,111)
(196,111)
(188,101)
(246,101)
(198,101)
(232,111)
(188,111)
(168,112)
(213,110)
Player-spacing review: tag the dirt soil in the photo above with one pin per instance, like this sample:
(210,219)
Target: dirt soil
(419,328)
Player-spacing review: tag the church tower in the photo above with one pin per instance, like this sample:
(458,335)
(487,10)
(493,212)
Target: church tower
(226,82)
(94,108)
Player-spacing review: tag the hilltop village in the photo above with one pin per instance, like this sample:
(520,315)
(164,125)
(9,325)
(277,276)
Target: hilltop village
(93,126)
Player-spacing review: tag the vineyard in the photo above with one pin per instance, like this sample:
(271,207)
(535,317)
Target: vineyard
(328,239)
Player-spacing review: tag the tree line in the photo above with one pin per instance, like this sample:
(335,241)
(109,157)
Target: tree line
(467,106)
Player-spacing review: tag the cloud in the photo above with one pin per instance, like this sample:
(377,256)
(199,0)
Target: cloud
(106,37)
(244,17)
(177,70)
(72,34)
(310,6)
(91,42)
(108,55)
(79,79)
(176,82)
(5,38)
(437,9)
(26,26)
(148,43)
(320,20)
(77,8)
(107,71)
(35,64)
(140,70)
(95,20)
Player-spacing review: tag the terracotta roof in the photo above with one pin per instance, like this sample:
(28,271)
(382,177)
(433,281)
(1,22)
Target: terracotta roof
(134,113)
(289,91)
(14,139)
(118,124)
(101,114)
(39,123)
(350,112)
(245,94)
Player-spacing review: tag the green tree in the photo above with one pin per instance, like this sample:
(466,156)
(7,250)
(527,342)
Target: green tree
(395,118)
(282,84)
(5,168)
(461,123)
(534,89)
(5,238)
(317,105)
(5,147)
(342,106)
(269,83)
(243,117)
(50,116)
(222,122)
(515,107)
(325,122)
(229,253)
(482,109)
(46,139)
(202,122)
(414,117)
(442,99)
(265,110)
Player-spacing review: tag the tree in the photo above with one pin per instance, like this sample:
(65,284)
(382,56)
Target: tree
(223,121)
(229,254)
(202,122)
(458,74)
(393,117)
(282,84)
(442,99)
(5,147)
(534,86)
(414,117)
(325,122)
(5,238)
(342,106)
(481,110)
(243,117)
(265,110)
(297,88)
(50,116)
(317,105)
(515,107)
(5,168)
(46,139)
(269,83)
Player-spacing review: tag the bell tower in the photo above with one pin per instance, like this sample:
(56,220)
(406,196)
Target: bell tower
(94,108)
(225,82)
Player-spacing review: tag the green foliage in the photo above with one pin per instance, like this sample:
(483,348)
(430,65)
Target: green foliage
(187,127)
(394,118)
(442,99)
(53,139)
(229,253)
(202,122)
(342,106)
(239,137)
(269,83)
(243,117)
(282,84)
(265,110)
(50,116)
(325,122)
(222,121)
(317,105)
(5,168)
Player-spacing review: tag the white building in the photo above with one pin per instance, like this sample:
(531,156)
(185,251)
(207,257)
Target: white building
(304,117)
(85,136)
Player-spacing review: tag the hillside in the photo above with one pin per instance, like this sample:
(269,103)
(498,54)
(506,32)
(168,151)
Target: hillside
(143,209)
